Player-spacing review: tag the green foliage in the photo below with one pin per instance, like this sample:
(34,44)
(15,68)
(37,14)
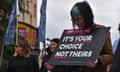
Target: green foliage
(5,9)
(7,54)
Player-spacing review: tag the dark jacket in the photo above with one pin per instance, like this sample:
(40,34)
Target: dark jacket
(23,64)
(48,54)
(57,68)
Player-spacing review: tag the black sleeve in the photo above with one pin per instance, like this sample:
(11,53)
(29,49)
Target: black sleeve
(34,64)
(9,65)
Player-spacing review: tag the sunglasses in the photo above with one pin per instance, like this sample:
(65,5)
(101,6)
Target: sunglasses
(76,19)
(17,46)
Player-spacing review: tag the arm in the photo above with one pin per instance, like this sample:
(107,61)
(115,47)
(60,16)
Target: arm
(106,55)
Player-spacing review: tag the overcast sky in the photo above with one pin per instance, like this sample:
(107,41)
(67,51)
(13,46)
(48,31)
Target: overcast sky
(106,12)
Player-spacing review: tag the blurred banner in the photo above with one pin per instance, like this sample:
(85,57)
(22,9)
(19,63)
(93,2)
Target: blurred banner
(42,26)
(9,38)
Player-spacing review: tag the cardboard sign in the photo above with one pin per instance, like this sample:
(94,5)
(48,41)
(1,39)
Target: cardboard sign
(78,48)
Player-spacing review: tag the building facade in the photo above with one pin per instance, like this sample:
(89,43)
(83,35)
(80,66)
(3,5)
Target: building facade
(28,11)
(27,20)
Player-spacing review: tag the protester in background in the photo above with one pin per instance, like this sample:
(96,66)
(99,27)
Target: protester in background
(115,44)
(22,60)
(82,18)
(48,52)
(116,61)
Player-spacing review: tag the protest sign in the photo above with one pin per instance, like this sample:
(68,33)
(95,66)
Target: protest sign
(78,48)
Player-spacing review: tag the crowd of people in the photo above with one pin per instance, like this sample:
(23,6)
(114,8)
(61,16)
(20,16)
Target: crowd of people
(82,18)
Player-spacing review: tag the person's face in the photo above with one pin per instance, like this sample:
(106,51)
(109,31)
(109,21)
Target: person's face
(53,45)
(78,21)
(18,49)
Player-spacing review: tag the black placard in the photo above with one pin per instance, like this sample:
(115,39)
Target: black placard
(78,48)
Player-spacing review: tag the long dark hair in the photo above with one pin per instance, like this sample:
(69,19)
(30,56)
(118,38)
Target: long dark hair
(86,12)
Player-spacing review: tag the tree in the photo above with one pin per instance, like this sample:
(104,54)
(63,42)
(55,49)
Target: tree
(5,9)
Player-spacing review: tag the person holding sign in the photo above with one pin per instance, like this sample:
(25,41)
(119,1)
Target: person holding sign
(46,67)
(83,19)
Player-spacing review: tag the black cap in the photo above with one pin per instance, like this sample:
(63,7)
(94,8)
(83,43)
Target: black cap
(56,40)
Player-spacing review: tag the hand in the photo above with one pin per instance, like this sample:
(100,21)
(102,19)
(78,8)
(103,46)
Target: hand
(15,53)
(42,55)
(90,64)
(49,66)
